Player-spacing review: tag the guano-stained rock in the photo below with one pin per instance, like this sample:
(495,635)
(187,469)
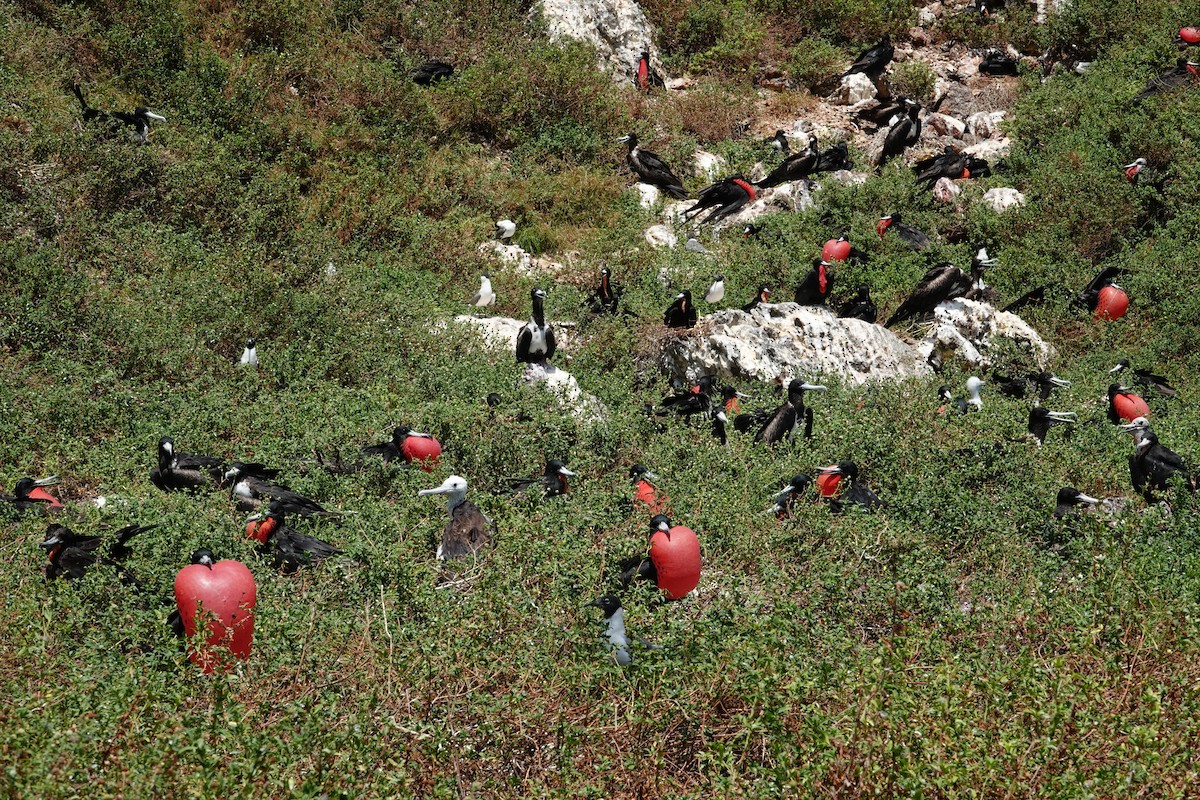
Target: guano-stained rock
(967,329)
(618,29)
(788,339)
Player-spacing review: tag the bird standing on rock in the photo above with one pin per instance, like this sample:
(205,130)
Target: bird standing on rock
(651,169)
(485,296)
(535,341)
(904,133)
(860,307)
(874,60)
(794,167)
(725,197)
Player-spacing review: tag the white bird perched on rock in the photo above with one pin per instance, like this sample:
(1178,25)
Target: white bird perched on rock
(505,228)
(250,354)
(485,296)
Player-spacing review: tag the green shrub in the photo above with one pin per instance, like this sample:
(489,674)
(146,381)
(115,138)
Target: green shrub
(913,79)
(815,64)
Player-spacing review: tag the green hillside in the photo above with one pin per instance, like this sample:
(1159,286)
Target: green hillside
(305,192)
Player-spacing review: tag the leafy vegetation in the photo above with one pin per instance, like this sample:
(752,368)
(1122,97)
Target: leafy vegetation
(305,192)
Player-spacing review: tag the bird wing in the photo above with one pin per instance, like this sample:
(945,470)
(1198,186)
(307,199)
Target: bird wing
(550,342)
(524,339)
(779,425)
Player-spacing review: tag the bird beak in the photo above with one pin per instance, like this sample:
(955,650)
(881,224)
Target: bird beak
(52,541)
(1131,166)
(420,435)
(622,139)
(813,387)
(47,481)
(567,472)
(155,117)
(988,262)
(594,604)
(741,396)
(1062,416)
(1131,426)
(443,489)
(648,475)
(1115,286)
(1083,498)
(1117,368)
(1057,381)
(834,470)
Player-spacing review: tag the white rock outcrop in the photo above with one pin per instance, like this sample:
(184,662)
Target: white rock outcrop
(709,166)
(500,333)
(791,340)
(661,236)
(510,254)
(985,124)
(618,29)
(563,384)
(990,149)
(1001,198)
(946,125)
(856,88)
(945,190)
(968,329)
(648,195)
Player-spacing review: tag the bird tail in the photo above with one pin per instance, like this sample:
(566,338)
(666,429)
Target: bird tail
(676,191)
(79,94)
(130,531)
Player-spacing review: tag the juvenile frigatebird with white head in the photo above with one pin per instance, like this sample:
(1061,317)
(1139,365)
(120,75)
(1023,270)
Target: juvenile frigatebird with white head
(974,385)
(505,229)
(614,633)
(535,341)
(468,530)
